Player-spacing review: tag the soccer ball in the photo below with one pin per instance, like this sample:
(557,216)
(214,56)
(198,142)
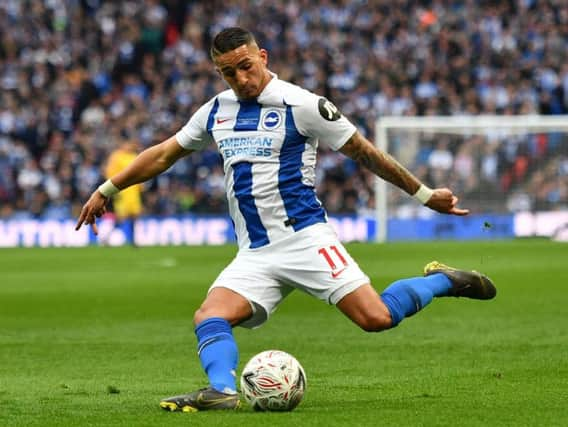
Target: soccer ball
(273,381)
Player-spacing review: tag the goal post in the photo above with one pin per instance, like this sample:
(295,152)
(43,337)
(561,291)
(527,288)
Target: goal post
(432,127)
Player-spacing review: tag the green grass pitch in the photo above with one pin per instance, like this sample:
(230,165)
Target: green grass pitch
(97,336)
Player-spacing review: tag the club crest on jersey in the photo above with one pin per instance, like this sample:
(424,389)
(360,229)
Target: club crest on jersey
(271,120)
(328,110)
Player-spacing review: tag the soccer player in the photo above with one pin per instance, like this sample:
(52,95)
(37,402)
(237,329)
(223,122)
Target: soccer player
(267,131)
(127,204)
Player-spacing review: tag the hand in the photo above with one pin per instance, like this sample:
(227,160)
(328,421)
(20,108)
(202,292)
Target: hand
(94,208)
(444,201)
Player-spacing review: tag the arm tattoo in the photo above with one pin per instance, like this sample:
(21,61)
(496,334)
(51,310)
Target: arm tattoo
(380,163)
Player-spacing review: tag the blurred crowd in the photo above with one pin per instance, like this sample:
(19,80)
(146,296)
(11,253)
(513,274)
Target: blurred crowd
(78,77)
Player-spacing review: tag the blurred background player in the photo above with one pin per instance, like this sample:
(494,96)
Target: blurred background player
(126,205)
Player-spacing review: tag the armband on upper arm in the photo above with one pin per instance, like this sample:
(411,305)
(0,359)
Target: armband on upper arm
(328,110)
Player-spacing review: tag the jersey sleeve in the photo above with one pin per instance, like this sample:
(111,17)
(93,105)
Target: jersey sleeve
(319,118)
(195,135)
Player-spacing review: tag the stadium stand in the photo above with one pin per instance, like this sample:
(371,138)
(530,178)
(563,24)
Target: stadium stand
(76,77)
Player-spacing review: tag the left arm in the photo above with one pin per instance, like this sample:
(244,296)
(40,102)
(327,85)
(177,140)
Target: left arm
(383,165)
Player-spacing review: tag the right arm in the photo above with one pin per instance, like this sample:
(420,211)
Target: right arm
(148,164)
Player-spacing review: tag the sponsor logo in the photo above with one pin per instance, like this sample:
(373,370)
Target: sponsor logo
(271,120)
(336,274)
(246,146)
(219,121)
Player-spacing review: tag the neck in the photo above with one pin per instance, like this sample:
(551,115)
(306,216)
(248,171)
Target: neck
(267,77)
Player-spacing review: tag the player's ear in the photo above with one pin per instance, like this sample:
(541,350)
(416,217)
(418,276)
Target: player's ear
(263,53)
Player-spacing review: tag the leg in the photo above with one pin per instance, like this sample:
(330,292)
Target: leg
(401,299)
(406,297)
(366,309)
(326,270)
(130,230)
(217,350)
(226,304)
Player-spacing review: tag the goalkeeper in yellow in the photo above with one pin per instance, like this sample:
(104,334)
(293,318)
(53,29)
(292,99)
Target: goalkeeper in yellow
(127,205)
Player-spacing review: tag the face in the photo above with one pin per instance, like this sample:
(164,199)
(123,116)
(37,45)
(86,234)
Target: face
(244,69)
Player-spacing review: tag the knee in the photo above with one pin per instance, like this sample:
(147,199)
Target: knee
(203,313)
(226,304)
(375,322)
(230,314)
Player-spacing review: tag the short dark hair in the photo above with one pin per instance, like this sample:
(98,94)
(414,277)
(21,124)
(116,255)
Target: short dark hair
(230,39)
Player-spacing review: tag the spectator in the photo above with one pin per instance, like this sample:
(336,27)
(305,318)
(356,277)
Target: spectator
(73,74)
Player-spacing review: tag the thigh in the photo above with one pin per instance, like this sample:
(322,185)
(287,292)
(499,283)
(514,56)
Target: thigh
(251,276)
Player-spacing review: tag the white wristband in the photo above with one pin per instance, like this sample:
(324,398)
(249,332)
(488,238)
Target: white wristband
(108,189)
(423,194)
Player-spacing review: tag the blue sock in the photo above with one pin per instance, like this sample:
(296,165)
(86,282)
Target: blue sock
(405,297)
(218,353)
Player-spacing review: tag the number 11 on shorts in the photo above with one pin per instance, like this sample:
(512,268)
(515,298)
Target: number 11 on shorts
(329,256)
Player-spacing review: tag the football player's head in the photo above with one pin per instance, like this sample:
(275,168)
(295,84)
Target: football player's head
(240,62)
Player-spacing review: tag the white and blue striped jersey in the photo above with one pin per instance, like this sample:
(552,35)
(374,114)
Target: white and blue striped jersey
(269,149)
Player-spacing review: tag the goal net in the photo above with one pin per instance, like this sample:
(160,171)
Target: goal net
(510,171)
